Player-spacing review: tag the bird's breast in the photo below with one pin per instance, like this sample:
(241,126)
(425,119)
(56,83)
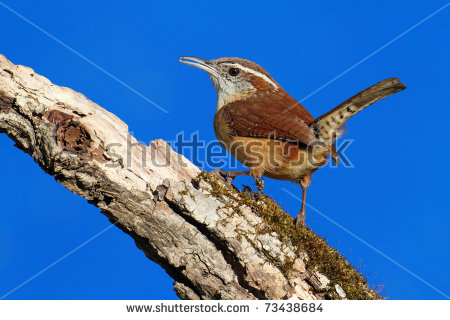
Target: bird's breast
(278,159)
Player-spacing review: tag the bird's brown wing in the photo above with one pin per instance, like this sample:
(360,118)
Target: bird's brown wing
(279,117)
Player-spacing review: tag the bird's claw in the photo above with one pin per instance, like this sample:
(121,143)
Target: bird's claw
(222,176)
(300,220)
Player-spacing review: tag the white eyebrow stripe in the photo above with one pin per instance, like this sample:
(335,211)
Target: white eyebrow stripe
(256,73)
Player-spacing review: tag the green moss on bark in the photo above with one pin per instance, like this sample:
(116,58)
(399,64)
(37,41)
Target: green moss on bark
(321,256)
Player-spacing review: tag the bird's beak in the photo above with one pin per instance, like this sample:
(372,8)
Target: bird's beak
(201,64)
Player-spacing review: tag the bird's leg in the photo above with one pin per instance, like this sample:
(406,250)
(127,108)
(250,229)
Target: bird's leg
(300,219)
(229,175)
(257,173)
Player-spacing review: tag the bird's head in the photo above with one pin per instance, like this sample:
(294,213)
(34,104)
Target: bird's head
(235,79)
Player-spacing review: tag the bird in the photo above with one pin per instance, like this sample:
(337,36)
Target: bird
(270,132)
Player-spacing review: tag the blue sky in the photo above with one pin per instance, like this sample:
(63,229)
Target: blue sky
(395,198)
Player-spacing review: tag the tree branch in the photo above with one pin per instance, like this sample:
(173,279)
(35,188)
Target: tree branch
(215,242)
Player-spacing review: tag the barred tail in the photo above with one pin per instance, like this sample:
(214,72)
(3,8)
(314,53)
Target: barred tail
(327,126)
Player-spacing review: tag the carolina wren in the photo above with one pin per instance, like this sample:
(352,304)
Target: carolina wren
(271,133)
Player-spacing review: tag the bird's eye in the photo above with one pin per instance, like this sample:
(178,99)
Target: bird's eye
(234,72)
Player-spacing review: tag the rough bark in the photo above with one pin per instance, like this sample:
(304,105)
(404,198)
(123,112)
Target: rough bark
(211,250)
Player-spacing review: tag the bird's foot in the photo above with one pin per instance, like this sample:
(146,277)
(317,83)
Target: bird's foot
(223,176)
(300,220)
